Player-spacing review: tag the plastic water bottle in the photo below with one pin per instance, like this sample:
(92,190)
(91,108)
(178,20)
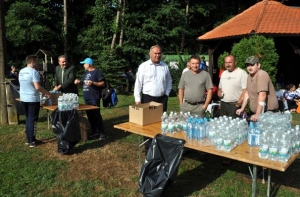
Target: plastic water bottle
(273,148)
(164,116)
(283,150)
(251,134)
(264,146)
(43,100)
(189,129)
(76,102)
(164,126)
(60,103)
(219,141)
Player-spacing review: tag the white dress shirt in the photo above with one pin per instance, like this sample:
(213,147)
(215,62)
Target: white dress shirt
(152,79)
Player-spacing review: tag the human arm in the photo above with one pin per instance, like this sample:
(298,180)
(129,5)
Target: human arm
(244,104)
(208,98)
(180,95)
(138,86)
(240,101)
(39,88)
(220,92)
(260,105)
(169,83)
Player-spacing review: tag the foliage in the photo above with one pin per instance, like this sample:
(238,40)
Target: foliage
(221,59)
(259,46)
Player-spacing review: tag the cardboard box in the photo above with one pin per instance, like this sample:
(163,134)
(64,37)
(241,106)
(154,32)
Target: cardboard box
(146,113)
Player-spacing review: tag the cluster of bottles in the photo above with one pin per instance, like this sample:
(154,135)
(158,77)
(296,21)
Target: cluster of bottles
(223,132)
(174,122)
(44,99)
(227,133)
(274,135)
(67,102)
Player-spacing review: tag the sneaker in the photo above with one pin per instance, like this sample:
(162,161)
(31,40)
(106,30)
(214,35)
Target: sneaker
(32,144)
(27,143)
(102,137)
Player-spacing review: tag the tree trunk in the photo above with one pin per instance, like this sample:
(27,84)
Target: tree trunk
(65,28)
(3,104)
(122,24)
(186,25)
(113,42)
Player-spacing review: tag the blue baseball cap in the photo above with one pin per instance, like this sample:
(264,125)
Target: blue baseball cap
(87,61)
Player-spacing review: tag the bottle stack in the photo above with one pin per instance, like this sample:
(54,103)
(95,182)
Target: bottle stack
(278,141)
(68,101)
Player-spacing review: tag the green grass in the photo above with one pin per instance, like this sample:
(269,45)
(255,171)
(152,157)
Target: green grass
(110,168)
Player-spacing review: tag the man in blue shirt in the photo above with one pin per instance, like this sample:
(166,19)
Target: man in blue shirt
(30,89)
(92,81)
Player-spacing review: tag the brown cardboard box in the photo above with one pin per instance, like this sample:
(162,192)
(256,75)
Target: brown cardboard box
(146,113)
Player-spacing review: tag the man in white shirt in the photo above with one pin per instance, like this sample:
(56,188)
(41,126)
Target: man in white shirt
(187,68)
(153,82)
(232,86)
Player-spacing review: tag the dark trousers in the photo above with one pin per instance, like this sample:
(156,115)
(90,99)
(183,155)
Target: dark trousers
(228,109)
(94,116)
(146,99)
(31,110)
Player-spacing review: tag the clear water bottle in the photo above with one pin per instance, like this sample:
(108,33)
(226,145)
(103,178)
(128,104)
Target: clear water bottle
(251,134)
(171,126)
(164,116)
(219,141)
(76,102)
(273,148)
(43,100)
(283,150)
(164,126)
(60,103)
(264,146)
(189,129)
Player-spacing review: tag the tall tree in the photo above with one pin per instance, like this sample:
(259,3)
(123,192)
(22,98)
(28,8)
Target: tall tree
(3,116)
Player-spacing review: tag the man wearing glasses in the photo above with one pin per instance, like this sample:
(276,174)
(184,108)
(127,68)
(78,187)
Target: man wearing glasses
(260,90)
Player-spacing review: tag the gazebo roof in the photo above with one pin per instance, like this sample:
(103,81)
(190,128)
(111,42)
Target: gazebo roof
(266,17)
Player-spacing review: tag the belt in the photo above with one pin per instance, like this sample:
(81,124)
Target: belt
(194,103)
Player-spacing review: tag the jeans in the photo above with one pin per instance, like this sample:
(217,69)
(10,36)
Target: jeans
(94,116)
(31,110)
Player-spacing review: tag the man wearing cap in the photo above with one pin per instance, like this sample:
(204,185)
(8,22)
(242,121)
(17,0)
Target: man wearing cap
(260,90)
(65,76)
(92,81)
(232,87)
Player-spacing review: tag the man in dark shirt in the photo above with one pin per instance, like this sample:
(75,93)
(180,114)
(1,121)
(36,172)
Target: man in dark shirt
(92,81)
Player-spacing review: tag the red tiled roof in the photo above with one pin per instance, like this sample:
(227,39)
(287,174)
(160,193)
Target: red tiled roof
(265,17)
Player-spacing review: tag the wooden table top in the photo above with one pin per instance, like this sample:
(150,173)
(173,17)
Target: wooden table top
(82,107)
(243,152)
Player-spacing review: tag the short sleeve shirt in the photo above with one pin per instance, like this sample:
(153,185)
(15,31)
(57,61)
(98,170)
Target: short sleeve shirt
(261,82)
(195,85)
(92,92)
(27,77)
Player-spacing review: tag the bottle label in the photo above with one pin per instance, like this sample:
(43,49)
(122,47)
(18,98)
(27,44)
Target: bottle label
(273,151)
(283,152)
(264,149)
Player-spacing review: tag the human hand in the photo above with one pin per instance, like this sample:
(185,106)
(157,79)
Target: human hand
(77,81)
(137,103)
(204,107)
(239,111)
(254,117)
(56,88)
(88,82)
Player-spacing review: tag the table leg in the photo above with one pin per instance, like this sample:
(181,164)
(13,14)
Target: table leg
(269,183)
(254,181)
(48,119)
(140,149)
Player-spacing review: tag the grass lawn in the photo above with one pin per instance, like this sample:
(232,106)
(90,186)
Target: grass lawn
(110,167)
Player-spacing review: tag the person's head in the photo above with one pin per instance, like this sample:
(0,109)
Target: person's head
(230,63)
(202,58)
(87,63)
(32,61)
(62,61)
(13,68)
(252,64)
(194,63)
(188,65)
(155,54)
(291,87)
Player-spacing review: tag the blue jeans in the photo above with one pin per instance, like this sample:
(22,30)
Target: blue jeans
(94,116)
(31,110)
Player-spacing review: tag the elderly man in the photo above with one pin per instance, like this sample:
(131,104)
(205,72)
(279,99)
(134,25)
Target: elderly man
(260,90)
(65,76)
(232,87)
(153,82)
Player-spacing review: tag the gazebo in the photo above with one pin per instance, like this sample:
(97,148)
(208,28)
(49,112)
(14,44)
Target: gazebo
(267,18)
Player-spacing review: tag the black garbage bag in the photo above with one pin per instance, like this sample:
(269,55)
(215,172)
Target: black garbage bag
(161,165)
(65,124)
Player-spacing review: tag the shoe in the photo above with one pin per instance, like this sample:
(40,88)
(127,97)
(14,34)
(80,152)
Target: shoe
(102,136)
(27,143)
(94,135)
(32,145)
